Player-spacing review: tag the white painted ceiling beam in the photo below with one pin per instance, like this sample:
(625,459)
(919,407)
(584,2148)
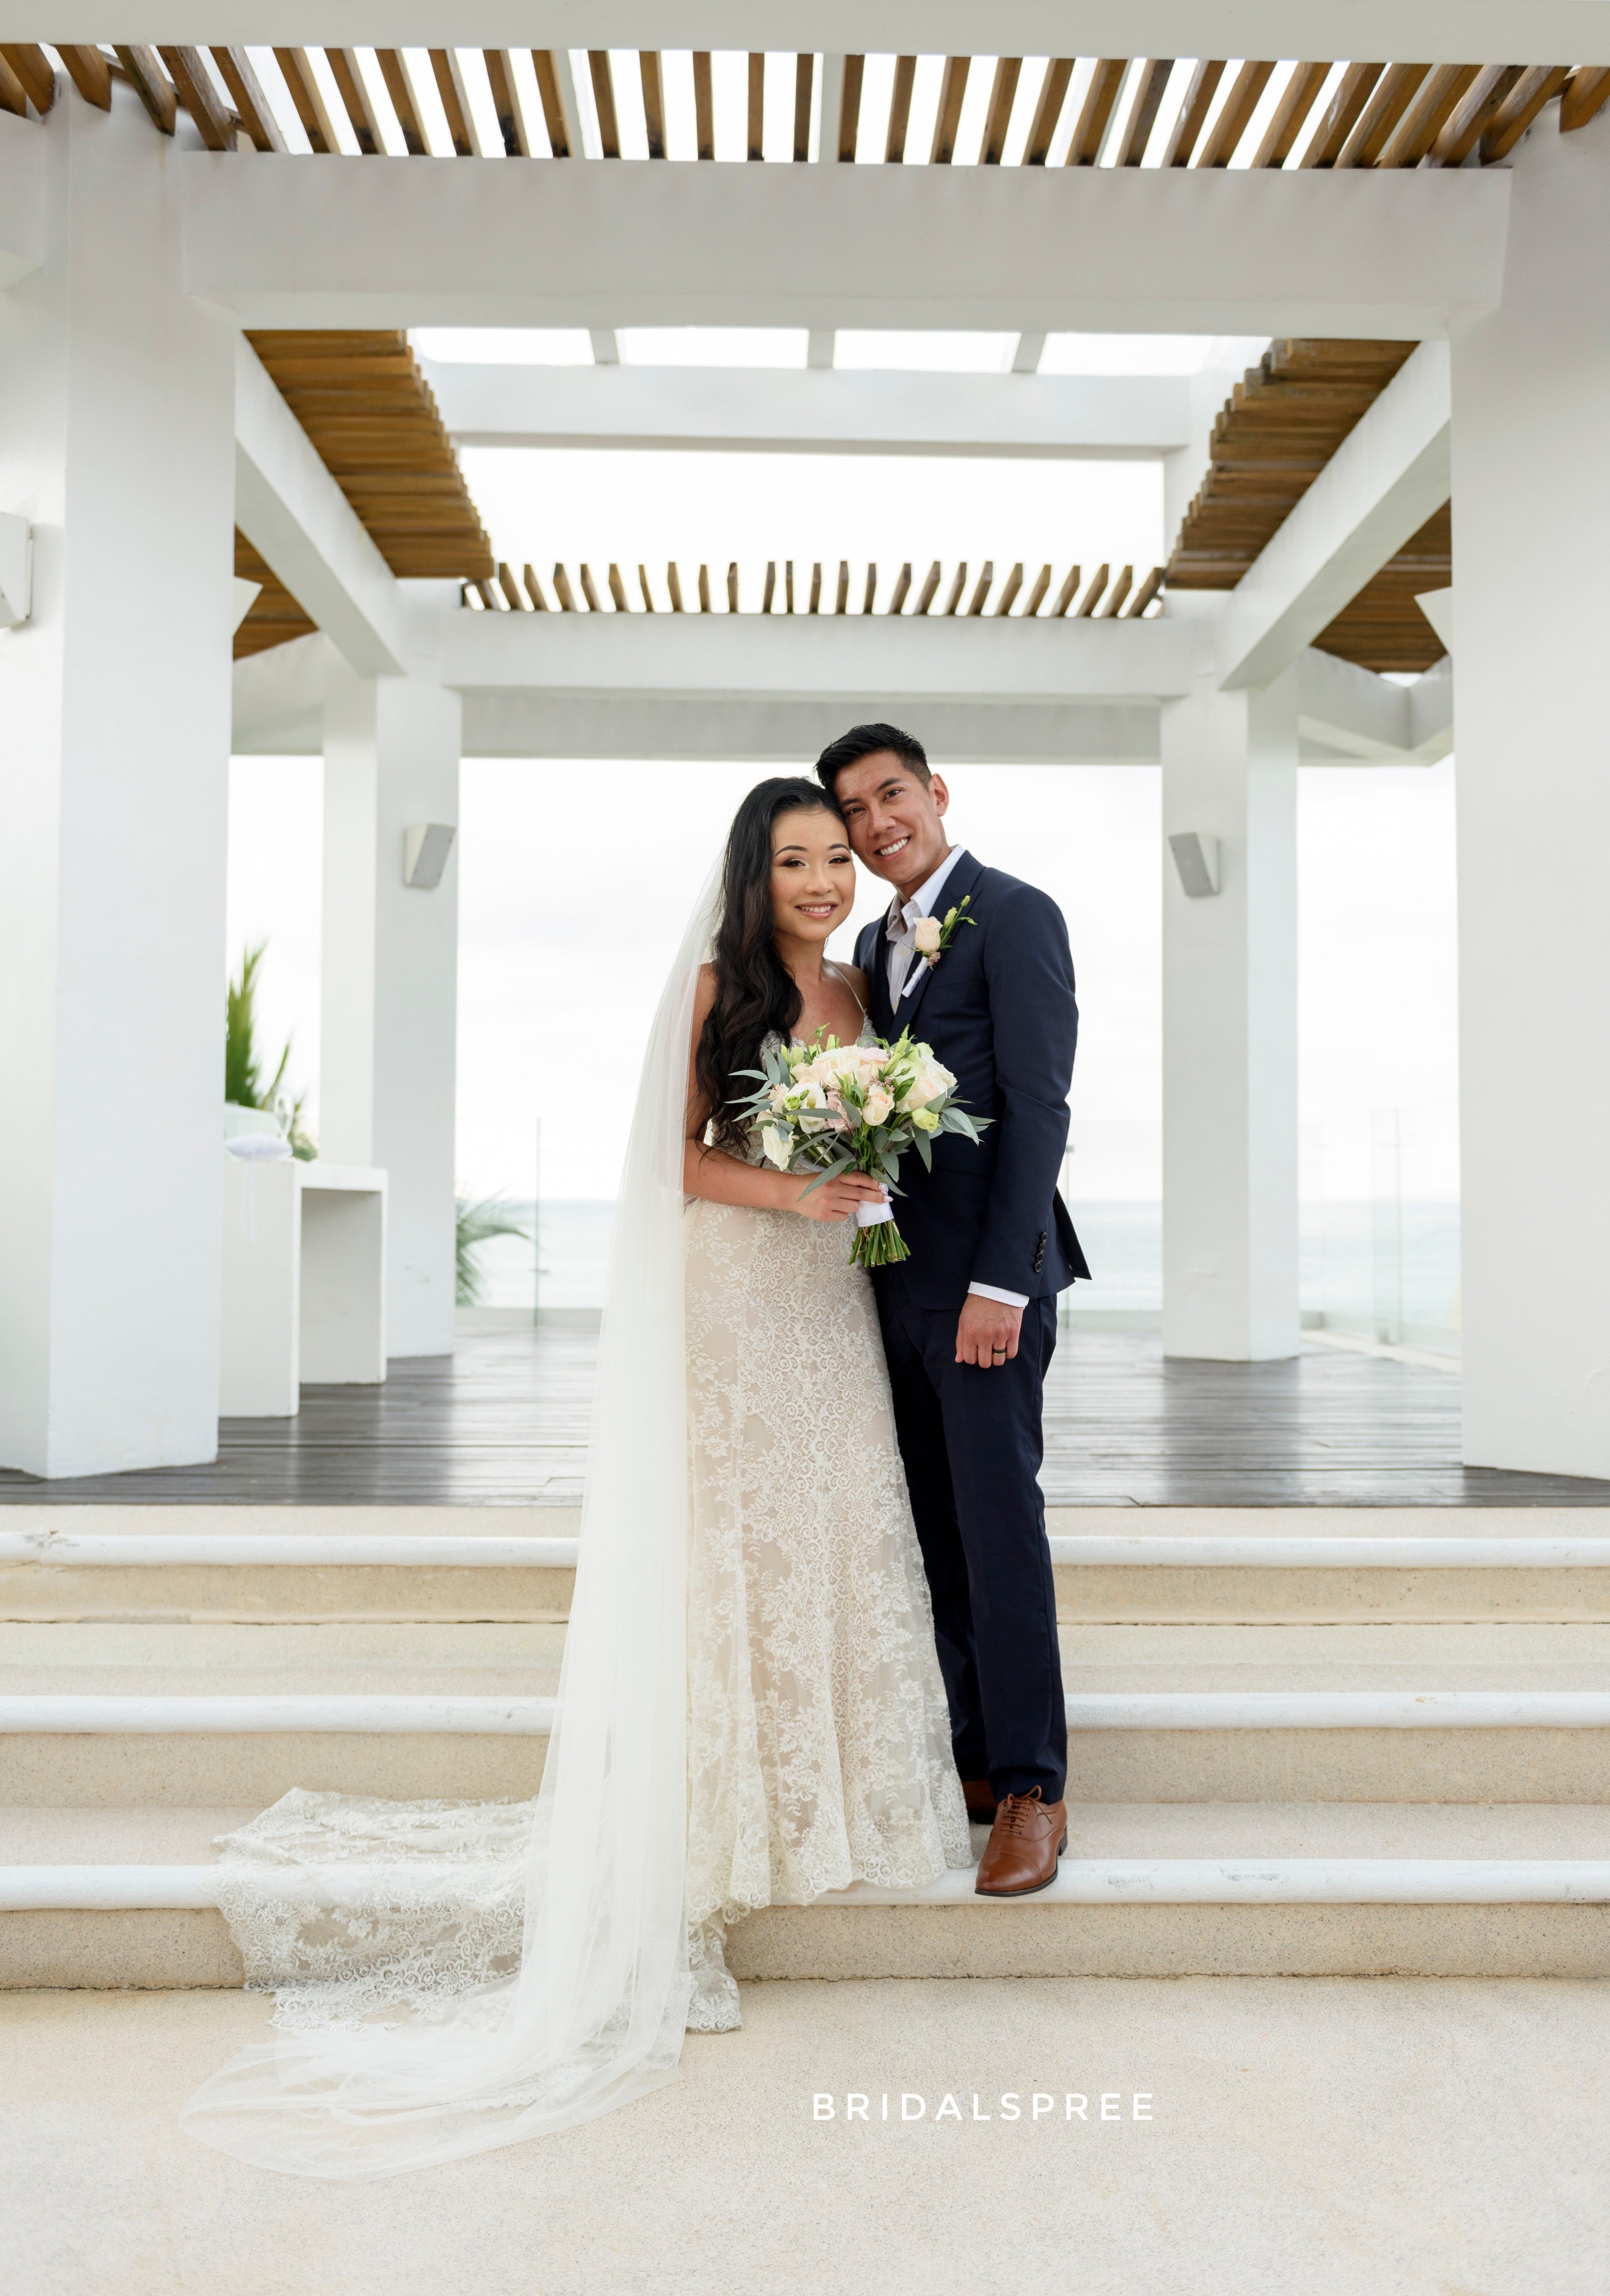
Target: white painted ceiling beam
(850,657)
(1388,476)
(1465,31)
(22,198)
(286,241)
(763,410)
(289,508)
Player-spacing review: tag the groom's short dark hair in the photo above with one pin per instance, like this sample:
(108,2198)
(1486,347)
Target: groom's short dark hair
(867,741)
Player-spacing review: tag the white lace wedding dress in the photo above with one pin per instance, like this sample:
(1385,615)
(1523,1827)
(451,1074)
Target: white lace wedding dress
(750,1713)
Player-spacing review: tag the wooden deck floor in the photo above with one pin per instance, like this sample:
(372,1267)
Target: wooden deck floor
(503,1423)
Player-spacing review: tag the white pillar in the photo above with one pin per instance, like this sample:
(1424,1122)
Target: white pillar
(391,979)
(1229,1030)
(117,442)
(1532,586)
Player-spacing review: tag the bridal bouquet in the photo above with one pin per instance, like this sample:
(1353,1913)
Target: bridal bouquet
(827,1108)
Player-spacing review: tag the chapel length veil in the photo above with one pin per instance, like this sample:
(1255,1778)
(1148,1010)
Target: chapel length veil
(596,2013)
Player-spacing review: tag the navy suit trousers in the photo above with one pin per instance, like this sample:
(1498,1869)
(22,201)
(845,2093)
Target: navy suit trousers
(972,1446)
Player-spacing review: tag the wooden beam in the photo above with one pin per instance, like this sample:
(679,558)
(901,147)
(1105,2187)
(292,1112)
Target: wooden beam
(534,591)
(588,591)
(213,119)
(1143,596)
(899,109)
(603,102)
(355,97)
(1100,97)
(926,594)
(755,122)
(849,105)
(704,111)
(788,585)
(394,72)
(151,85)
(1586,92)
(732,586)
(997,120)
(511,589)
(1235,115)
(953,90)
(872,589)
(648,595)
(246,94)
(1471,116)
(506,104)
(1120,591)
(654,100)
(1389,99)
(770,591)
(1013,584)
(1065,595)
(1520,108)
(309,103)
(1434,106)
(986,578)
(13,96)
(618,589)
(1192,113)
(90,74)
(1341,114)
(814,605)
(561,130)
(32,67)
(902,584)
(1153,77)
(488,597)
(957,587)
(455,103)
(804,76)
(566,596)
(842,602)
(704,590)
(1088,603)
(673,583)
(1048,111)
(1301,95)
(1037,595)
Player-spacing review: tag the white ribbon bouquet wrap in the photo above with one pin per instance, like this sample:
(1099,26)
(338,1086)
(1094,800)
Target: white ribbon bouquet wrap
(826,1108)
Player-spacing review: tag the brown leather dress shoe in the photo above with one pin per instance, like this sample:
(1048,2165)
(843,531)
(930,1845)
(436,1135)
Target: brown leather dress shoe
(1028,1837)
(979,1795)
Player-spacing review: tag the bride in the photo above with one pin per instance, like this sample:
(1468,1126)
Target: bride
(751,1710)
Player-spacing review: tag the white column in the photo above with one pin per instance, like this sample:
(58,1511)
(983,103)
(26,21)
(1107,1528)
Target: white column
(117,442)
(1230,1032)
(390,985)
(1532,589)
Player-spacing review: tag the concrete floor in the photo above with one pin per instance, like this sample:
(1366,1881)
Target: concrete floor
(1330,2137)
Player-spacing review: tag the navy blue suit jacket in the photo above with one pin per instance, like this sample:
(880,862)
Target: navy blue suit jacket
(999,1010)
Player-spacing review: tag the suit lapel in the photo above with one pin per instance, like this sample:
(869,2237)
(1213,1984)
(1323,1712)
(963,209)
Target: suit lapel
(960,882)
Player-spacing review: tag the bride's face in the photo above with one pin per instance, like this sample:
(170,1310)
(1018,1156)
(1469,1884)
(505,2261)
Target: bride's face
(812,875)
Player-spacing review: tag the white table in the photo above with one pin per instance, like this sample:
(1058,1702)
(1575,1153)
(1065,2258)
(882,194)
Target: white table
(304,1283)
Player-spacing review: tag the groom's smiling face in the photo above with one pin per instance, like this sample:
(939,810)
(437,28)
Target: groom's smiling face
(895,820)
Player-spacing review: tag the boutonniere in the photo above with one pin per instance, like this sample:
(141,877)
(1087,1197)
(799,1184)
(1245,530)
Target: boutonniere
(934,935)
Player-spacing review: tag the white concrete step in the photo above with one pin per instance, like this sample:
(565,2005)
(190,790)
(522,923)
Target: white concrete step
(511,1563)
(1395,1744)
(94,1897)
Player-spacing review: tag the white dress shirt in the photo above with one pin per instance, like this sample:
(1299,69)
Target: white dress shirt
(900,932)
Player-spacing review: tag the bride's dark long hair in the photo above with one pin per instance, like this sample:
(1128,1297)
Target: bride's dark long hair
(755,992)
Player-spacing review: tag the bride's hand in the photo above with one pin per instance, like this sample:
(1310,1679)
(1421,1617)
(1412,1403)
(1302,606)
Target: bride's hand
(837,1199)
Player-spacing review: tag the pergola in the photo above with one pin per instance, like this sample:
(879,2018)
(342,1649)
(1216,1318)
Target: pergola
(205,290)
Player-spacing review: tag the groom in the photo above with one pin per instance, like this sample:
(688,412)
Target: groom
(970,1319)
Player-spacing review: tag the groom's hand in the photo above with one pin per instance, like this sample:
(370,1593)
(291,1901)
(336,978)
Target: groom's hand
(987,1333)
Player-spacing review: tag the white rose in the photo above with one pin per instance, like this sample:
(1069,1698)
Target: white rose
(927,934)
(880,1104)
(779,1097)
(777,1145)
(930,1082)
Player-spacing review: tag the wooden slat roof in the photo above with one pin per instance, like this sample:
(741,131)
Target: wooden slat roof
(1131,111)
(1274,436)
(823,587)
(368,411)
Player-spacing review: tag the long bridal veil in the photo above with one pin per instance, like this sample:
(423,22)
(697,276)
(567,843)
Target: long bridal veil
(596,2013)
